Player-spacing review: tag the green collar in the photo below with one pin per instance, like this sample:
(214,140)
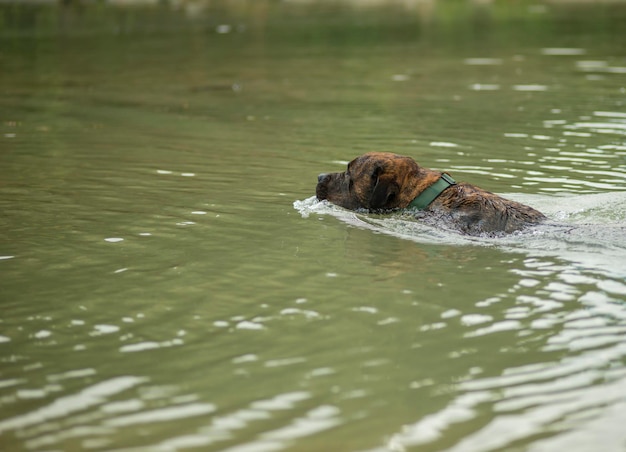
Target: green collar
(430,193)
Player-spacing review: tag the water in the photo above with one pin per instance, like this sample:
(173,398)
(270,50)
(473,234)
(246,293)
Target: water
(169,283)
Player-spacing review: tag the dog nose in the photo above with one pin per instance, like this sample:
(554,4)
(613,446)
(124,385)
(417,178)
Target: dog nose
(321,177)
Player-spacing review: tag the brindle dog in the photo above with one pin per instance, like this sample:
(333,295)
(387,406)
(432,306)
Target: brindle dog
(380,182)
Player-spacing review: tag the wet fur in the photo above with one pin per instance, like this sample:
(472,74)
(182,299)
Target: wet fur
(379,181)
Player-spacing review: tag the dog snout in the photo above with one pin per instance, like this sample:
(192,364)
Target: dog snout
(322,177)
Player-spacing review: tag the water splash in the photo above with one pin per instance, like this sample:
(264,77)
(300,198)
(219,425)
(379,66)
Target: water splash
(586,229)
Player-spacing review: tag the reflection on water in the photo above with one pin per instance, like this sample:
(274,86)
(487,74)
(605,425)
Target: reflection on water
(160,292)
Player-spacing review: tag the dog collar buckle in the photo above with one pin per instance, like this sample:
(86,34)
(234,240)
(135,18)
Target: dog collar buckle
(424,199)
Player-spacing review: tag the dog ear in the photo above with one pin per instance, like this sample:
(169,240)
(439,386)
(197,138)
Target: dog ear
(384,192)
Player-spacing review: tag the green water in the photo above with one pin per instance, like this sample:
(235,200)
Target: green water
(168,283)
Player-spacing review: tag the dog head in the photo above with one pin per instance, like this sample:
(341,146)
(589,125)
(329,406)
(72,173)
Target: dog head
(375,181)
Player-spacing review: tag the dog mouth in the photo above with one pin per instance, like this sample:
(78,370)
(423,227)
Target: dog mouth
(321,189)
(321,192)
(337,188)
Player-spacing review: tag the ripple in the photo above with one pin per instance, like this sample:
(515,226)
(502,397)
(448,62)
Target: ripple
(497,327)
(284,401)
(563,51)
(483,61)
(79,373)
(400,78)
(530,88)
(248,325)
(314,421)
(249,358)
(608,425)
(284,362)
(42,334)
(431,427)
(222,426)
(484,87)
(123,406)
(475,319)
(602,127)
(612,287)
(150,345)
(610,114)
(443,144)
(162,414)
(599,66)
(367,309)
(104,329)
(306,313)
(592,65)
(506,429)
(63,406)
(321,372)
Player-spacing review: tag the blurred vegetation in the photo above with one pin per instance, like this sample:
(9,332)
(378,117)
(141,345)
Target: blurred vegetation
(322,22)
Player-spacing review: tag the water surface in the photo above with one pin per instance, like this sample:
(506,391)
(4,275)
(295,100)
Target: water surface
(169,283)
